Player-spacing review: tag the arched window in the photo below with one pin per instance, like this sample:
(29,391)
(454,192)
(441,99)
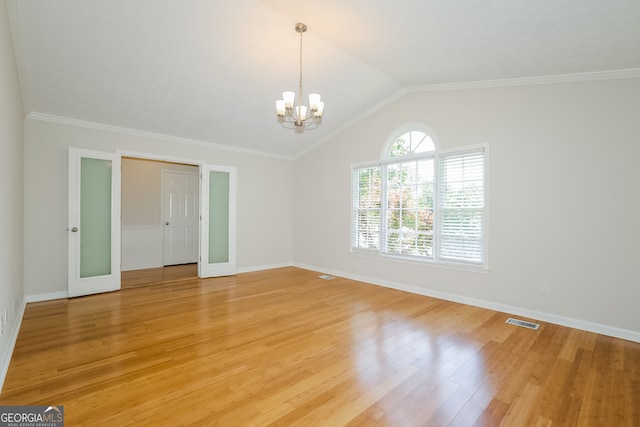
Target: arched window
(420,203)
(409,143)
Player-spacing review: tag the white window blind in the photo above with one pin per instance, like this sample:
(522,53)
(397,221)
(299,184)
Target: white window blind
(462,201)
(367,201)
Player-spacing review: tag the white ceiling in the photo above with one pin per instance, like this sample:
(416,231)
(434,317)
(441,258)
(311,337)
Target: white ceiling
(211,70)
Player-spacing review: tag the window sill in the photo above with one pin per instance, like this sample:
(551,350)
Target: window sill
(483,269)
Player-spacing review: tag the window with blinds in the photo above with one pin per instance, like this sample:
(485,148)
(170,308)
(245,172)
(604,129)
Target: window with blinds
(461,214)
(421,204)
(367,205)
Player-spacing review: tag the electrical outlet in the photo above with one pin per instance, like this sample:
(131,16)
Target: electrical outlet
(544,289)
(3,321)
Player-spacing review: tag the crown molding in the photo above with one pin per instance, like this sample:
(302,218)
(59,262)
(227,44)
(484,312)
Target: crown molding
(631,73)
(144,134)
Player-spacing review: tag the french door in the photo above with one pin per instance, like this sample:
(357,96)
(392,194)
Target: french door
(218,230)
(94,222)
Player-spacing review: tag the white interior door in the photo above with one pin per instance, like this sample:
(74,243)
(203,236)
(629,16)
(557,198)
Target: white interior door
(218,226)
(94,222)
(180,215)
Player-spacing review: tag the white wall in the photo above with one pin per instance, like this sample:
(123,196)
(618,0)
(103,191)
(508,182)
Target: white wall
(264,197)
(564,199)
(11,187)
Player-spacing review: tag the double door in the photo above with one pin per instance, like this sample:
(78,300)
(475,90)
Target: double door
(94,222)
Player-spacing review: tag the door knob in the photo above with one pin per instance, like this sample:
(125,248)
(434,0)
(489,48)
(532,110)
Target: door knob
(74,229)
(166,223)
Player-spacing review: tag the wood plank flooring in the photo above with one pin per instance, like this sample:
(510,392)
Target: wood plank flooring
(160,275)
(285,348)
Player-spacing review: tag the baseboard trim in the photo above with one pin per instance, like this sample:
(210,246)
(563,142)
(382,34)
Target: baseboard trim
(584,325)
(263,267)
(5,356)
(141,267)
(47,297)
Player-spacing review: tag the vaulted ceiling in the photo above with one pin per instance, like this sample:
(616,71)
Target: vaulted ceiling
(211,70)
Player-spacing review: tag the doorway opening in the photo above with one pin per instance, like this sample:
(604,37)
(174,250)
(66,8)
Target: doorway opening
(160,221)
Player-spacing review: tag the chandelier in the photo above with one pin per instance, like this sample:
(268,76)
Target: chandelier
(294,115)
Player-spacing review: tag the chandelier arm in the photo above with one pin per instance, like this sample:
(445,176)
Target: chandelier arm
(305,125)
(293,116)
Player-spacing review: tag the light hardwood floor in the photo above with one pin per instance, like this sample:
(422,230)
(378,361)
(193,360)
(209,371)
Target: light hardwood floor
(160,275)
(283,347)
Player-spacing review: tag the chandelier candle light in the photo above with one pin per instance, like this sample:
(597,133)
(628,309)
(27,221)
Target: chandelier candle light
(297,116)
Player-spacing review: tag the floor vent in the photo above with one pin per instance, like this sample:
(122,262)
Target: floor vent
(325,277)
(524,324)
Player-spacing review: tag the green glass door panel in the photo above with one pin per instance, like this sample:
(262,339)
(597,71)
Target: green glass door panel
(95,217)
(218,217)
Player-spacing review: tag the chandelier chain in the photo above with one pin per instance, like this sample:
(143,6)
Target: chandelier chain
(300,82)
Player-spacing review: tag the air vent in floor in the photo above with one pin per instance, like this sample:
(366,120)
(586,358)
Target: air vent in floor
(523,323)
(325,277)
